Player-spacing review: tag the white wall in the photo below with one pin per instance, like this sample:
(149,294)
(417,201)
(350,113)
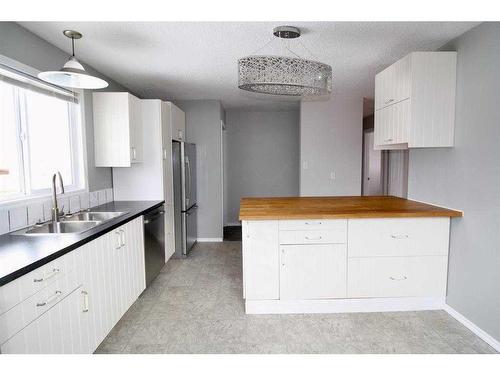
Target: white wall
(262,156)
(25,47)
(467,177)
(203,127)
(331,137)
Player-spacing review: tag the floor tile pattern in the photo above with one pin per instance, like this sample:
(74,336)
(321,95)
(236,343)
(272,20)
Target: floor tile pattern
(196,306)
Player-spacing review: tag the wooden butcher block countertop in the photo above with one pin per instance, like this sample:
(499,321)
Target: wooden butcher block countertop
(338,208)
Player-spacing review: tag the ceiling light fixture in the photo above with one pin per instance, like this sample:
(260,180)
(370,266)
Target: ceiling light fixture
(72,73)
(282,75)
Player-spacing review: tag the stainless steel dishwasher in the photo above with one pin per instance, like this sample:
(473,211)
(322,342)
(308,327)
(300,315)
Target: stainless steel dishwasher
(154,242)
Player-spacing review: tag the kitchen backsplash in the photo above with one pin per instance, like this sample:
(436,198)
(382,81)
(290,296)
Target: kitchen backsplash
(25,214)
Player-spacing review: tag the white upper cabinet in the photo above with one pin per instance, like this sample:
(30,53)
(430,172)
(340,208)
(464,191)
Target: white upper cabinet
(178,122)
(117,129)
(415,102)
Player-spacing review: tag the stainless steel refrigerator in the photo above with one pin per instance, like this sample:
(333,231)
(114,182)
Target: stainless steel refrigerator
(185,207)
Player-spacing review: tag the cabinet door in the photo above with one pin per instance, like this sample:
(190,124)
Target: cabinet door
(261,260)
(178,123)
(58,331)
(135,123)
(166,130)
(313,271)
(393,84)
(135,259)
(170,233)
(392,124)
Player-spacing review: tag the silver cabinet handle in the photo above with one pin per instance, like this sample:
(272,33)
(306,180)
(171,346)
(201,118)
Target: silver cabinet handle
(399,236)
(85,295)
(282,257)
(164,154)
(313,223)
(389,101)
(52,298)
(400,278)
(389,140)
(122,237)
(313,238)
(118,240)
(54,272)
(134,155)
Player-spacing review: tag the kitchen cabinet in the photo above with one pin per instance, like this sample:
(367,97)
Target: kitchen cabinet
(153,178)
(118,127)
(345,265)
(415,102)
(313,271)
(178,122)
(261,260)
(78,307)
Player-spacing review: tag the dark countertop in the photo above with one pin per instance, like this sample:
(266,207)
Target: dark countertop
(22,254)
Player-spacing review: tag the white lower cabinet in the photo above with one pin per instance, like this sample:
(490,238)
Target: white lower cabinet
(313,271)
(74,313)
(294,266)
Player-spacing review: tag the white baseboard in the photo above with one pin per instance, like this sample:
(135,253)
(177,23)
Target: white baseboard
(344,305)
(209,239)
(495,344)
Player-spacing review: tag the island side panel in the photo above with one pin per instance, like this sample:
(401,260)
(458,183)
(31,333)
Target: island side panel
(261,260)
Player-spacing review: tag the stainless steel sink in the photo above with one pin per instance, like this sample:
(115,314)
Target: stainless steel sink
(93,216)
(62,227)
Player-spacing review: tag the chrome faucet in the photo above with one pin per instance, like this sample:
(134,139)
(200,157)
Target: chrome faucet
(55,209)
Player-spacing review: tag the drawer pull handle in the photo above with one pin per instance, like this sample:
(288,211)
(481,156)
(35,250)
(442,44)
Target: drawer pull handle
(85,301)
(389,140)
(401,278)
(389,101)
(313,223)
(55,296)
(55,271)
(313,238)
(399,236)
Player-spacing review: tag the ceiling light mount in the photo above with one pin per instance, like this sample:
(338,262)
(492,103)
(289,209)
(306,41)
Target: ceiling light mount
(286,32)
(73,74)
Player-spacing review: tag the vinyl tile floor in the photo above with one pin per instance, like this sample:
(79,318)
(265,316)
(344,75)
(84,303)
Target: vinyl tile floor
(195,305)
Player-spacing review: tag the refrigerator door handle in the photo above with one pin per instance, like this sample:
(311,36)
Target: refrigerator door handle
(188,195)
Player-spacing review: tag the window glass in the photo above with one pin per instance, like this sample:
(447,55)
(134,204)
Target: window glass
(10,144)
(49,139)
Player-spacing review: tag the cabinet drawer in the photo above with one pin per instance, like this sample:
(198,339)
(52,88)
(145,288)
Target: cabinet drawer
(25,312)
(25,286)
(397,277)
(335,225)
(398,237)
(312,236)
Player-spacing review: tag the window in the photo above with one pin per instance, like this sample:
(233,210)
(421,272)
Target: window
(40,134)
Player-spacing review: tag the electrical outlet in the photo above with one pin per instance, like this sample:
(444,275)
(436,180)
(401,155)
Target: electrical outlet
(332,176)
(305,165)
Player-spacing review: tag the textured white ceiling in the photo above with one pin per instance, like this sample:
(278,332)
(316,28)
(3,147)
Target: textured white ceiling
(198,60)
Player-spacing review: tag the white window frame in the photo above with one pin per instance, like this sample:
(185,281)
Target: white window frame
(78,146)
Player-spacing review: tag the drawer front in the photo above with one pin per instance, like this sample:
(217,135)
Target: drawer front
(27,311)
(25,286)
(397,277)
(336,225)
(398,237)
(291,237)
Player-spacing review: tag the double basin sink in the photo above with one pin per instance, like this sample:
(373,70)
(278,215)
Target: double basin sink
(71,224)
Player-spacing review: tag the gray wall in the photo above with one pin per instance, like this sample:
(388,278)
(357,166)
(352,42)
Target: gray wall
(262,156)
(467,177)
(25,47)
(203,127)
(331,137)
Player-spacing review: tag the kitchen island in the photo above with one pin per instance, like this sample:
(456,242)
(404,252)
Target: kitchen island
(343,254)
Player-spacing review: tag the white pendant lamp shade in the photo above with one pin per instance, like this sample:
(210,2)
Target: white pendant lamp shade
(73,74)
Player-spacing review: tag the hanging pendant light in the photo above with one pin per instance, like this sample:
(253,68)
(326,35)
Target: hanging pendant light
(282,75)
(73,74)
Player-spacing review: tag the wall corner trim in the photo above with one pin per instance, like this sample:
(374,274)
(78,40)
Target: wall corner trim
(474,328)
